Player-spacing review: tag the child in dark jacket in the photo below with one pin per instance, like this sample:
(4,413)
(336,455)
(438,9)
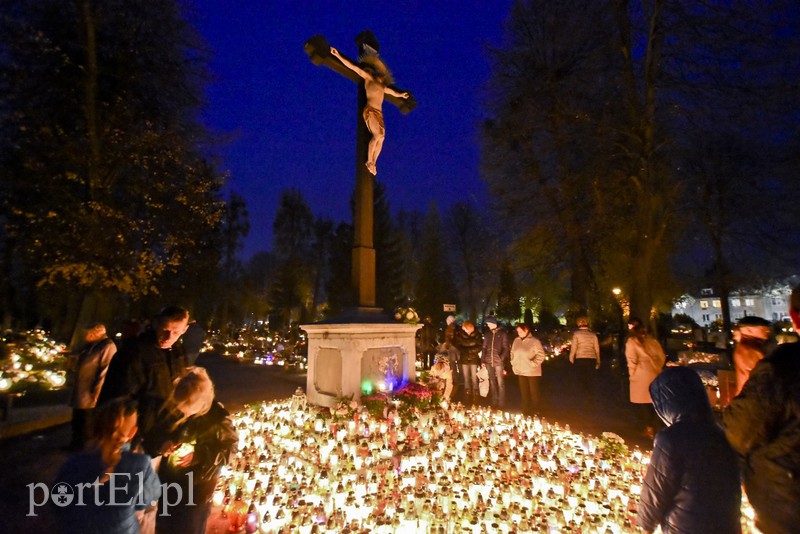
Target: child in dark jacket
(196,439)
(692,483)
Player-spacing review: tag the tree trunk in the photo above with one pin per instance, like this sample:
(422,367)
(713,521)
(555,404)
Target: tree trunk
(90,99)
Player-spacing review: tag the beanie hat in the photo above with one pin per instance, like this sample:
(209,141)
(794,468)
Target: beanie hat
(490,320)
(450,319)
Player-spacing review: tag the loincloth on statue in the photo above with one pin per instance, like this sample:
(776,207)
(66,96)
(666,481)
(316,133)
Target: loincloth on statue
(378,116)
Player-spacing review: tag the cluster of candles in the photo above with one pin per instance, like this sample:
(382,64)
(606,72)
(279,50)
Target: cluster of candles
(689,357)
(34,360)
(454,470)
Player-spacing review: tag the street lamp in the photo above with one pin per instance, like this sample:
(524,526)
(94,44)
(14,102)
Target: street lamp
(622,301)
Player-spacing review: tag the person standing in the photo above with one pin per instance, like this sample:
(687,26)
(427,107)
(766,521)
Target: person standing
(645,360)
(90,373)
(427,342)
(147,366)
(752,337)
(469,342)
(762,424)
(692,482)
(527,355)
(448,346)
(494,357)
(584,354)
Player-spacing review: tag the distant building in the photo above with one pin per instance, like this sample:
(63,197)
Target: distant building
(770,303)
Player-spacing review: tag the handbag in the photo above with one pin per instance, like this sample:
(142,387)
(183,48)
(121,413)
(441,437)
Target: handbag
(483,380)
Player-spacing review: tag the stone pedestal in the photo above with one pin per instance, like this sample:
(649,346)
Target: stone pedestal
(358,347)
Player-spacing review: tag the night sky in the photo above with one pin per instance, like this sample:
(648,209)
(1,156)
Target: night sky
(292,124)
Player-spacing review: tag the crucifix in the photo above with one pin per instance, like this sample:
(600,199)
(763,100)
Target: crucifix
(374,84)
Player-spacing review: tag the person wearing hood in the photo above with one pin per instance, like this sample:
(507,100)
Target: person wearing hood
(692,482)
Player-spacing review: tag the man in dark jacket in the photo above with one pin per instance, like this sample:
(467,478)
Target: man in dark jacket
(145,368)
(427,340)
(494,356)
(763,426)
(692,483)
(468,342)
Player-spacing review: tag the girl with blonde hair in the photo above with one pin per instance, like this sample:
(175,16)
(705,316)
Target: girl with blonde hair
(197,439)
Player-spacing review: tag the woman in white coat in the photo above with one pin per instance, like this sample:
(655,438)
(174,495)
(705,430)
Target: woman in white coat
(645,360)
(527,355)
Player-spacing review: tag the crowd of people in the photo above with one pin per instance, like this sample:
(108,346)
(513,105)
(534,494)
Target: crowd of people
(142,410)
(474,361)
(701,459)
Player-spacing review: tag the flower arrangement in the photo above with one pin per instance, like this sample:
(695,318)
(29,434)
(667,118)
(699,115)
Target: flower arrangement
(407,315)
(415,394)
(376,404)
(345,409)
(612,446)
(409,401)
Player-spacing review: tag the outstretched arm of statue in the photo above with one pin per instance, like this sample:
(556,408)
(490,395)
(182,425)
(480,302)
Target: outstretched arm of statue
(350,65)
(389,91)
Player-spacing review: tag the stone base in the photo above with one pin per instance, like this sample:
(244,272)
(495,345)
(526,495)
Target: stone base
(366,347)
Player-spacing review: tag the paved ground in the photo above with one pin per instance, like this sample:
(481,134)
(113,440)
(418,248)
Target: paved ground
(36,457)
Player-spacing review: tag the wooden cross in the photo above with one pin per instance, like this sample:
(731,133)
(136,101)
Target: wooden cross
(363,273)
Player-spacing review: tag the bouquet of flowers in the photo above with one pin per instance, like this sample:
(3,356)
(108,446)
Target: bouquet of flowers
(376,404)
(345,409)
(415,395)
(406,315)
(612,446)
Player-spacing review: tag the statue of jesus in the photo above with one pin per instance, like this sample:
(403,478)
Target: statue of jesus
(377,79)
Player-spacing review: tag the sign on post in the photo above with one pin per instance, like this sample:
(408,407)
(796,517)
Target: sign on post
(449,307)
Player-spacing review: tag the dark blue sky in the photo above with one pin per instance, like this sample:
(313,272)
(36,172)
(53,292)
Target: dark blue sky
(293,123)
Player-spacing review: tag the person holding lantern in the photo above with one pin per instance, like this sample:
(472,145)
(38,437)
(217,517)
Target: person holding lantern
(194,442)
